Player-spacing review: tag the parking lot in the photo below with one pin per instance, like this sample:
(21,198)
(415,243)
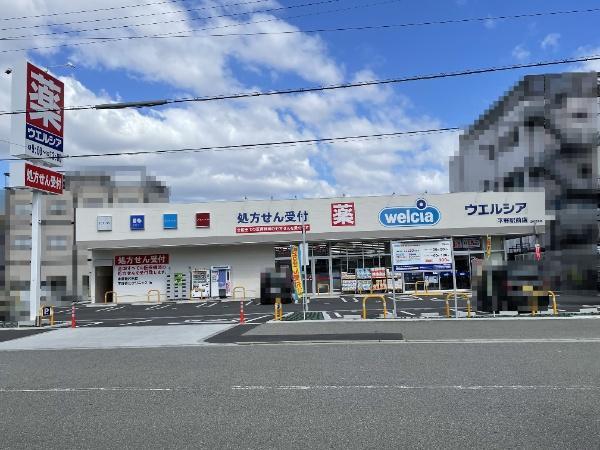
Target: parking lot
(214,311)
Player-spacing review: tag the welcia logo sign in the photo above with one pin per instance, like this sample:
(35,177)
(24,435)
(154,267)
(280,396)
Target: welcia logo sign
(419,215)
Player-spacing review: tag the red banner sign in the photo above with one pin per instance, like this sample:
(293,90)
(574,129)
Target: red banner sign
(131,260)
(43,179)
(271,229)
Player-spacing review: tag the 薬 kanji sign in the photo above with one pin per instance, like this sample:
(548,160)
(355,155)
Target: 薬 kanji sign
(343,214)
(37,134)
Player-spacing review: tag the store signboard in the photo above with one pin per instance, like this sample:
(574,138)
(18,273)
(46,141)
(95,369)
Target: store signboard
(343,214)
(410,256)
(203,220)
(135,275)
(136,222)
(272,221)
(420,215)
(169,221)
(104,223)
(469,243)
(23,174)
(38,133)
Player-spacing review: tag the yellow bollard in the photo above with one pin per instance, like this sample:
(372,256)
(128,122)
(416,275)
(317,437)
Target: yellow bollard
(278,309)
(239,288)
(376,296)
(448,305)
(114,294)
(157,293)
(554,306)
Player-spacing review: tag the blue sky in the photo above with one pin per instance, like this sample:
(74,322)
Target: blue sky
(155,68)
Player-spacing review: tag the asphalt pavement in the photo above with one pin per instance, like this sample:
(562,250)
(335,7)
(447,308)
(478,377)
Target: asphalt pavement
(213,311)
(441,392)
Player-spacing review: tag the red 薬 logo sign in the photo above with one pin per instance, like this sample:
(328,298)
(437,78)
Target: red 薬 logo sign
(343,214)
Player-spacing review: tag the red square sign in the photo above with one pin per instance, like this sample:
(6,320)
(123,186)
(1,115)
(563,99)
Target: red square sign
(343,214)
(202,220)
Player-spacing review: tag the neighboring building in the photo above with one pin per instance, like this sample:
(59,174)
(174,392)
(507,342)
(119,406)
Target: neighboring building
(64,272)
(210,248)
(543,135)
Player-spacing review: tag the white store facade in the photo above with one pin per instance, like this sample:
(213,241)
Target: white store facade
(175,248)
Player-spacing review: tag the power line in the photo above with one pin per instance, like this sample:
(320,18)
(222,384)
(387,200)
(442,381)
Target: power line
(165,22)
(257,145)
(180,34)
(440,75)
(275,19)
(112,8)
(137,16)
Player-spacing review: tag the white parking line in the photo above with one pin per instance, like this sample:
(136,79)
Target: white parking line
(257,318)
(344,300)
(406,312)
(248,303)
(211,305)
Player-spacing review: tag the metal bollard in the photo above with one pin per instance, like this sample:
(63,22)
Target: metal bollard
(73,321)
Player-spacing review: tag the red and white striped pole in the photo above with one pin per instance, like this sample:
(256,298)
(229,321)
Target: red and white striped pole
(73,321)
(242,317)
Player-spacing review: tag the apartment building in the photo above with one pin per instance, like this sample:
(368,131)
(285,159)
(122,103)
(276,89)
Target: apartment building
(65,272)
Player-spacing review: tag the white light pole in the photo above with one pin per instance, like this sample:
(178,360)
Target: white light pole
(304,260)
(36,255)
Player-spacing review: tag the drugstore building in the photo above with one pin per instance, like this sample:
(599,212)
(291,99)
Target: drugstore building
(207,249)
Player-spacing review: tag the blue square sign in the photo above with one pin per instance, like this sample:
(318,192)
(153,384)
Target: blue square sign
(170,221)
(136,222)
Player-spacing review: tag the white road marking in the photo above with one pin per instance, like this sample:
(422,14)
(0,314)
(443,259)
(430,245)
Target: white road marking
(459,387)
(248,303)
(406,312)
(213,304)
(338,315)
(401,387)
(257,318)
(344,300)
(356,299)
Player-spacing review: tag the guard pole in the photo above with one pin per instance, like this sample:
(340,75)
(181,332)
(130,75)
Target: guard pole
(73,321)
(554,306)
(36,253)
(242,317)
(453,276)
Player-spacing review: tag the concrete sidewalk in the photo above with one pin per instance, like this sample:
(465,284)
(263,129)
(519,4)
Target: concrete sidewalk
(149,336)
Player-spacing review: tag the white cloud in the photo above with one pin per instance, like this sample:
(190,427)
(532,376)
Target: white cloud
(520,53)
(550,42)
(208,66)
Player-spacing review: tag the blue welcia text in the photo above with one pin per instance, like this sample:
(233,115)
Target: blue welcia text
(410,216)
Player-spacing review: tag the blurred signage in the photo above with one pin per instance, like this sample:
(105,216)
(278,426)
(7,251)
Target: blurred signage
(203,220)
(169,221)
(39,132)
(26,175)
(136,222)
(467,243)
(104,223)
(409,256)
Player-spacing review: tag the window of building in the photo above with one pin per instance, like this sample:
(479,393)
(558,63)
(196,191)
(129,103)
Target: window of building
(56,243)
(23,209)
(21,243)
(57,208)
(85,284)
(93,202)
(128,200)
